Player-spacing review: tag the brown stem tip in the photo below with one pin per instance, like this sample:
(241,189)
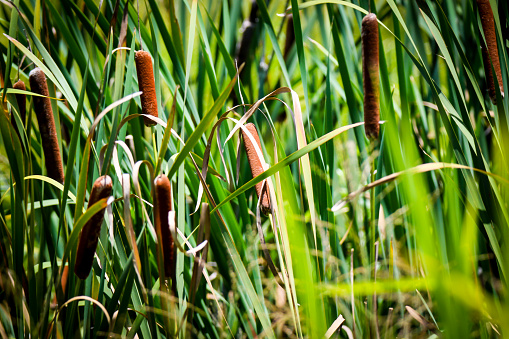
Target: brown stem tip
(147,86)
(44,113)
(89,236)
(370,75)
(490,49)
(256,166)
(162,205)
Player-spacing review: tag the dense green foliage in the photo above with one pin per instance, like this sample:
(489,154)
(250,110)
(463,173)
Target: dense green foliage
(406,235)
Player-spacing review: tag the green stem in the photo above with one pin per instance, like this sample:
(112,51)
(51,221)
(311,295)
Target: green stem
(372,207)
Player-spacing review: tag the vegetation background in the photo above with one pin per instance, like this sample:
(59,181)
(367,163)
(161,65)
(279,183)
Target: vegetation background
(404,236)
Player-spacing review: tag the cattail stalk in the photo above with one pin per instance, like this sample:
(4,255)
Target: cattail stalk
(371,84)
(147,86)
(44,113)
(490,48)
(371,75)
(256,166)
(162,206)
(89,236)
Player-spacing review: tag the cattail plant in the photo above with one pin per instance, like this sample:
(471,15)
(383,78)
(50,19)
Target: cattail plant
(243,49)
(256,166)
(44,113)
(488,73)
(490,48)
(371,75)
(63,285)
(22,107)
(63,280)
(21,99)
(147,86)
(89,235)
(162,205)
(290,36)
(371,85)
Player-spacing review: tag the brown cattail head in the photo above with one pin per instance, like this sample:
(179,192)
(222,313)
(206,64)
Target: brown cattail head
(490,49)
(244,51)
(162,205)
(147,86)
(370,75)
(21,99)
(44,112)
(89,236)
(22,107)
(63,280)
(256,166)
(290,36)
(63,285)
(488,73)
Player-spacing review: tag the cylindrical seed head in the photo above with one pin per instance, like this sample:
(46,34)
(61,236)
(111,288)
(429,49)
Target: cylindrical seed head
(162,205)
(244,53)
(44,113)
(89,236)
(488,73)
(490,49)
(290,36)
(63,280)
(63,285)
(147,86)
(21,99)
(370,75)
(256,166)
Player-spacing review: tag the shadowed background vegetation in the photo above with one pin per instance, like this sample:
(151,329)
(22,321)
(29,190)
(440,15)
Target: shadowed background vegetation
(405,235)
